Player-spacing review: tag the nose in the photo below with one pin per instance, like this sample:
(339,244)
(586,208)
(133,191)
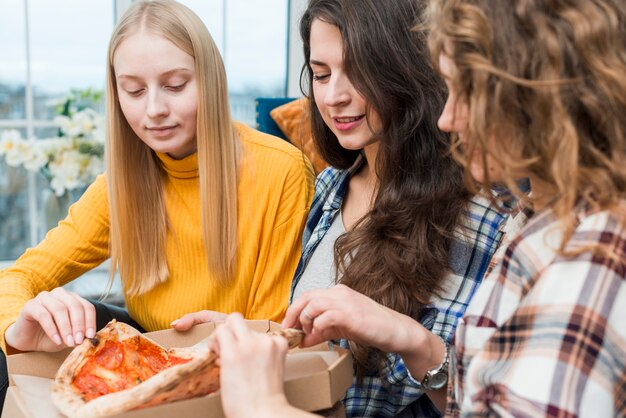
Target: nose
(338,91)
(157,105)
(446,120)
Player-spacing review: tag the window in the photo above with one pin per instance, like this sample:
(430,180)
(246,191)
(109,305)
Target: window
(46,53)
(252,37)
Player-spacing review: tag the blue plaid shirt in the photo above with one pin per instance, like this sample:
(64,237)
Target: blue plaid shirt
(471,252)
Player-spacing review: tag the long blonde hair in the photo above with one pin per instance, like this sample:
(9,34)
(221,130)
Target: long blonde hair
(138,218)
(545,84)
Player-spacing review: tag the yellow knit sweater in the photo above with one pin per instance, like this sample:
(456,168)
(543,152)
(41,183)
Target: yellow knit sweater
(275,191)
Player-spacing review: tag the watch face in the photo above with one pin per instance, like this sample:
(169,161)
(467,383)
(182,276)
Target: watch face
(438,380)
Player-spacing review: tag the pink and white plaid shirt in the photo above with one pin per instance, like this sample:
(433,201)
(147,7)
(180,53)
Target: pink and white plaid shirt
(545,335)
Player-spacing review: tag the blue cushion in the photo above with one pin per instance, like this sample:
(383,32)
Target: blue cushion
(264,121)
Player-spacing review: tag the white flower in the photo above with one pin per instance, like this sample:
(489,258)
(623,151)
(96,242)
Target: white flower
(65,171)
(83,123)
(64,123)
(70,127)
(69,161)
(36,159)
(20,153)
(8,140)
(95,167)
(99,135)
(53,146)
(98,132)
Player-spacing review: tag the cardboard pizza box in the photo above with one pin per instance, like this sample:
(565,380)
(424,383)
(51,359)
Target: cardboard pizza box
(315,379)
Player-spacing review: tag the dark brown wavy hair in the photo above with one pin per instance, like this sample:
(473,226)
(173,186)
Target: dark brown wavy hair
(398,253)
(551,76)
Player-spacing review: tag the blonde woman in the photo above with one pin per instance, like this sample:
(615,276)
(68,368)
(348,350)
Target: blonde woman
(195,211)
(537,90)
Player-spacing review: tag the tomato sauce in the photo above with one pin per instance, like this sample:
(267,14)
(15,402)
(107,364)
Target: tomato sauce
(121,365)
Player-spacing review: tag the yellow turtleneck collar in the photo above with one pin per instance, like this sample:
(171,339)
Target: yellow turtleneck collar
(184,168)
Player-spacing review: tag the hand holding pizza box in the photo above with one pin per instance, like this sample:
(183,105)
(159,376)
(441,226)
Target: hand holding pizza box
(120,370)
(314,380)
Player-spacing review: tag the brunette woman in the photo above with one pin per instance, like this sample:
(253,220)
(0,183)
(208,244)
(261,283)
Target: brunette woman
(391,218)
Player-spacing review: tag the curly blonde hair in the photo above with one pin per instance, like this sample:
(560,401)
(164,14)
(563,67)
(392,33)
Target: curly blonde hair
(545,85)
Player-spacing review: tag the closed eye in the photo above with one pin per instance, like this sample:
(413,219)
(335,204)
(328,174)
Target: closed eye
(134,93)
(320,77)
(176,88)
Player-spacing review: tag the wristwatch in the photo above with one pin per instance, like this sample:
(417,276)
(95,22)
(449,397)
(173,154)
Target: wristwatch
(437,377)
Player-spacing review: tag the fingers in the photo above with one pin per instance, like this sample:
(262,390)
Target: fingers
(187,321)
(305,311)
(252,366)
(328,325)
(57,311)
(337,312)
(238,343)
(294,312)
(81,316)
(224,340)
(228,338)
(34,311)
(238,325)
(280,346)
(234,339)
(65,317)
(90,317)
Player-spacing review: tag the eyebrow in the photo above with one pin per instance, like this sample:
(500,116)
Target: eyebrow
(165,74)
(316,62)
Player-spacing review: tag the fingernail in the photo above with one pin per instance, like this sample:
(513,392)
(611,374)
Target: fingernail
(57,339)
(175,322)
(69,340)
(79,337)
(90,333)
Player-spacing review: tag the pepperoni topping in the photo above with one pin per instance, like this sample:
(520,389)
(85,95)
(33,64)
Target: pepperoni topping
(127,363)
(111,356)
(90,386)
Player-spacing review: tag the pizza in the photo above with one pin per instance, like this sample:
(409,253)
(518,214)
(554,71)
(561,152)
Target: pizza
(120,369)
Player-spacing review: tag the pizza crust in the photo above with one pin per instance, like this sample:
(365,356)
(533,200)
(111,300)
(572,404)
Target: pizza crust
(198,377)
(62,394)
(181,381)
(292,335)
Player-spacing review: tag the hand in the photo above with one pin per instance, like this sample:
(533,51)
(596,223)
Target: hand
(340,312)
(189,320)
(52,321)
(252,369)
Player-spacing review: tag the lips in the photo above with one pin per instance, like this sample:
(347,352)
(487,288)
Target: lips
(346,123)
(162,131)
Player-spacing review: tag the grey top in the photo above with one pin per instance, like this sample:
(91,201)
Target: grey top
(320,271)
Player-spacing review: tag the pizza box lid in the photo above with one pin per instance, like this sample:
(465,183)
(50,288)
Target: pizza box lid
(315,378)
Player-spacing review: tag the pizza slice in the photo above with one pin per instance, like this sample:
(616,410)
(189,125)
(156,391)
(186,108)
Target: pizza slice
(120,369)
